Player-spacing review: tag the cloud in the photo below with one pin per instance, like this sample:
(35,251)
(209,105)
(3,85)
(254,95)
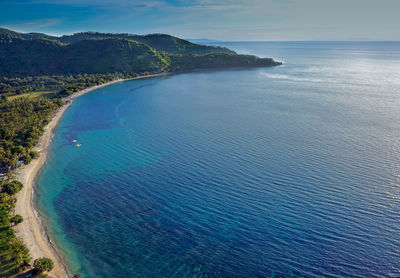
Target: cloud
(28,26)
(103,3)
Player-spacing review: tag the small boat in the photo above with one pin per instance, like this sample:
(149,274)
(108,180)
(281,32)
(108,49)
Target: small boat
(78,145)
(74,141)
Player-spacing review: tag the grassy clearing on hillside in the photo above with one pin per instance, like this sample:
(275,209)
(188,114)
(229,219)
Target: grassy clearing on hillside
(48,94)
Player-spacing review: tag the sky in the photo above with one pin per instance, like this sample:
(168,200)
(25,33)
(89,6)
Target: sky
(225,20)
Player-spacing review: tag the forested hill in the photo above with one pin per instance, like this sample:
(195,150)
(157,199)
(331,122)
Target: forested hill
(35,54)
(160,42)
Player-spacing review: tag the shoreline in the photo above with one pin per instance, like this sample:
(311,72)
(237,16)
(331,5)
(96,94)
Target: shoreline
(33,229)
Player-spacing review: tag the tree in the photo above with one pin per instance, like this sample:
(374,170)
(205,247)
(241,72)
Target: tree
(43,264)
(16,219)
(19,251)
(12,187)
(27,159)
(5,198)
(34,154)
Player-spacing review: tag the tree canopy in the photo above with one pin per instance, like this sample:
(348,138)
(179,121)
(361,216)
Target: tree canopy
(12,187)
(43,264)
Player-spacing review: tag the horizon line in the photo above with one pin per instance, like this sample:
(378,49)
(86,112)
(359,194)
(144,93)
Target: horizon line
(204,39)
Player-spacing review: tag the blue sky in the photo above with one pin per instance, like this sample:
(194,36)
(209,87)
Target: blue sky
(229,20)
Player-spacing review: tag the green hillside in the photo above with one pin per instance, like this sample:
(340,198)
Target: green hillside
(110,55)
(217,61)
(36,54)
(4,33)
(160,42)
(21,57)
(31,57)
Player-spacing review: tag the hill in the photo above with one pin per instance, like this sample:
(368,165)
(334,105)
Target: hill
(160,42)
(36,54)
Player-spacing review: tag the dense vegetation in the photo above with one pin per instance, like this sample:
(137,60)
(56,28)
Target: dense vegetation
(160,42)
(217,61)
(20,57)
(24,55)
(70,83)
(14,255)
(21,124)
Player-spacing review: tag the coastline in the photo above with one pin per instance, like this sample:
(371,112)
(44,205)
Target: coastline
(31,230)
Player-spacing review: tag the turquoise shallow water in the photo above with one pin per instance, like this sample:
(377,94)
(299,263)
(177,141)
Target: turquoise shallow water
(271,172)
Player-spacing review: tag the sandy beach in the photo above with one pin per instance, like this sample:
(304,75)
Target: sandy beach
(30,230)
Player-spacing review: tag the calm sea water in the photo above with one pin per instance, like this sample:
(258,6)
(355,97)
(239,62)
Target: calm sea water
(270,172)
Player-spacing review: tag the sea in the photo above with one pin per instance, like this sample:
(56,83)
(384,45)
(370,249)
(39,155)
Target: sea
(288,171)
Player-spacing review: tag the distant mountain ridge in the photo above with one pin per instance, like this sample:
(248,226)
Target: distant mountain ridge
(203,41)
(32,54)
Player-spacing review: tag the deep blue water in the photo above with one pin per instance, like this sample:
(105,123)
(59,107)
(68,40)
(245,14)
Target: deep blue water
(270,172)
